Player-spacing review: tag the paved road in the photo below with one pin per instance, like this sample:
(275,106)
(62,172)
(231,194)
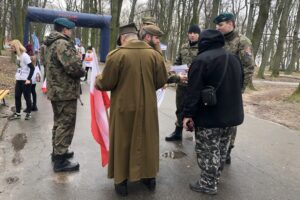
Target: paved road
(265,164)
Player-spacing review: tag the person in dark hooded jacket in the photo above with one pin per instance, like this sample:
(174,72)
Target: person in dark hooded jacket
(213,124)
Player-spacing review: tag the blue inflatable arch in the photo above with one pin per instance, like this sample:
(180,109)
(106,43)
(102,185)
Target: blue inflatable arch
(42,15)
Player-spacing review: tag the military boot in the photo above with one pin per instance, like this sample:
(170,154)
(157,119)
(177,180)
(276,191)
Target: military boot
(176,135)
(207,189)
(228,157)
(121,188)
(150,183)
(62,164)
(67,155)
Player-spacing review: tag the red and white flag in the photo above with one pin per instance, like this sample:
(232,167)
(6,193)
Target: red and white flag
(99,102)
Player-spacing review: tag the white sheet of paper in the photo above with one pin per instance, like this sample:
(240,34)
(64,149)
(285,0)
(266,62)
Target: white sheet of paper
(160,95)
(179,68)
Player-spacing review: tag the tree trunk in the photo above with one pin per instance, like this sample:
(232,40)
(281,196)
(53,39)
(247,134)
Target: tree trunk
(270,46)
(85,31)
(295,97)
(3,23)
(116,6)
(169,22)
(214,13)
(281,39)
(250,20)
(131,16)
(195,18)
(93,31)
(291,66)
(260,24)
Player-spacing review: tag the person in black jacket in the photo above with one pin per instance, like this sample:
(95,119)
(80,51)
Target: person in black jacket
(213,124)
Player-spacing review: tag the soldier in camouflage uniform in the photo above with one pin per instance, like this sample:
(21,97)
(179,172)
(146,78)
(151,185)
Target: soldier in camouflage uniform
(212,132)
(241,46)
(63,87)
(186,55)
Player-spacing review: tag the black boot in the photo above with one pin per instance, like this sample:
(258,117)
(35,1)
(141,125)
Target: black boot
(121,188)
(176,135)
(34,108)
(61,164)
(67,155)
(150,183)
(228,157)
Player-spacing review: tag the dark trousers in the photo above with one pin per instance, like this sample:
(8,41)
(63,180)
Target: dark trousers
(180,93)
(33,92)
(20,89)
(87,71)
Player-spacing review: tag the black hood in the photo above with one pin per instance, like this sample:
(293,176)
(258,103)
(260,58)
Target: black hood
(55,36)
(210,39)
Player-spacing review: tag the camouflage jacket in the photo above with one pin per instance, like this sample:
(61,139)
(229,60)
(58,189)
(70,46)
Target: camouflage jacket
(185,56)
(63,68)
(241,46)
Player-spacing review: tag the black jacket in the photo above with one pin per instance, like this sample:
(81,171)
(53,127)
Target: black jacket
(207,69)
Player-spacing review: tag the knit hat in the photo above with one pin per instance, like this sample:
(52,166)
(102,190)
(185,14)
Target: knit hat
(194,29)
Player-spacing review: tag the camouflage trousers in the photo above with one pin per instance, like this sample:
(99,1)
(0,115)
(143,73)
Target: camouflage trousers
(64,125)
(180,94)
(211,149)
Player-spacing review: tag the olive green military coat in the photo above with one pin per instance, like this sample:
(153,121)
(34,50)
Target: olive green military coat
(133,73)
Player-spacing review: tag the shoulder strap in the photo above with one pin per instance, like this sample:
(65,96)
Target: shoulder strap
(224,72)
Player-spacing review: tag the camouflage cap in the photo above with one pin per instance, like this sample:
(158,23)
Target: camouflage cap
(64,22)
(226,16)
(148,20)
(128,28)
(153,30)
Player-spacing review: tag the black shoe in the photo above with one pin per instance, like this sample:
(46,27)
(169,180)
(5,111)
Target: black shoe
(150,183)
(228,157)
(228,160)
(121,188)
(197,187)
(67,155)
(28,116)
(176,135)
(64,165)
(34,108)
(14,116)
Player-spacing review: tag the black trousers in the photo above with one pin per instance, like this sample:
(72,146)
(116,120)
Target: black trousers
(33,92)
(20,89)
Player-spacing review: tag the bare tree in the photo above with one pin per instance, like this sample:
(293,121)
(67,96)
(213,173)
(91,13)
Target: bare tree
(195,18)
(266,54)
(250,20)
(295,49)
(214,12)
(131,16)
(283,28)
(260,24)
(115,6)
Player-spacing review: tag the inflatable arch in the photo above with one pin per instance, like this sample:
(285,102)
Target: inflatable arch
(87,20)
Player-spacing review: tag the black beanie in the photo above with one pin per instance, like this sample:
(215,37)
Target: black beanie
(194,29)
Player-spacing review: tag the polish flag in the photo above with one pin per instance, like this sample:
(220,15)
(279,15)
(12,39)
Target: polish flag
(99,102)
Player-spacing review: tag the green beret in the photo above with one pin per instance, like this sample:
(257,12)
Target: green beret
(226,16)
(153,30)
(64,22)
